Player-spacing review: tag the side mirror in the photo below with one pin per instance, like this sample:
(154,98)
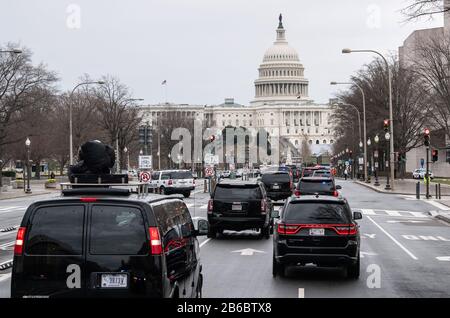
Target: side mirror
(275,214)
(201,226)
(357,215)
(338,187)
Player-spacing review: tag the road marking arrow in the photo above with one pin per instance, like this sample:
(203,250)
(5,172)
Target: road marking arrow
(443,258)
(248,252)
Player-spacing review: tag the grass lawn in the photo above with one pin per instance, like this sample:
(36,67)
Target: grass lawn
(443,181)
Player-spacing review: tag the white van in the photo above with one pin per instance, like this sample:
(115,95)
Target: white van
(173,181)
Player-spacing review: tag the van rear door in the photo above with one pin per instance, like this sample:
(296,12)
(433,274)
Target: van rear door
(52,260)
(118,258)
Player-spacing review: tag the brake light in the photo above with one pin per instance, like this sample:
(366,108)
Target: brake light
(193,182)
(297,193)
(170,182)
(263,207)
(335,193)
(291,184)
(287,229)
(155,241)
(210,206)
(350,229)
(18,248)
(88,200)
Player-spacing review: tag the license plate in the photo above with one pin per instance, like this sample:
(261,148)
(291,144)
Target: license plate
(317,232)
(236,207)
(114,281)
(276,187)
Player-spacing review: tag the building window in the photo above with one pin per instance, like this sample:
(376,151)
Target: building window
(296,142)
(272,122)
(310,142)
(317,142)
(223,123)
(331,141)
(324,142)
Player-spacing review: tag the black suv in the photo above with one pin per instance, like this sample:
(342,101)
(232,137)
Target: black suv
(278,184)
(102,242)
(238,206)
(316,185)
(319,230)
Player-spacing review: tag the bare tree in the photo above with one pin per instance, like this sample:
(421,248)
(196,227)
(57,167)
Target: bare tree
(425,8)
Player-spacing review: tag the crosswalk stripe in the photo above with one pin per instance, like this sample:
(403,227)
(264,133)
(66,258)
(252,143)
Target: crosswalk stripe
(393,213)
(418,214)
(368,212)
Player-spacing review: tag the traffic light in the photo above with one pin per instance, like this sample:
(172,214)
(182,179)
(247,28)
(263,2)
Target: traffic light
(386,125)
(142,135)
(427,137)
(434,155)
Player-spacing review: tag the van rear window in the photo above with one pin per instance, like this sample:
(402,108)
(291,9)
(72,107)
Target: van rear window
(237,192)
(181,175)
(317,213)
(275,177)
(56,230)
(117,230)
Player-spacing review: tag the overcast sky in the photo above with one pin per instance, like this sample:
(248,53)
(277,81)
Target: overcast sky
(207,50)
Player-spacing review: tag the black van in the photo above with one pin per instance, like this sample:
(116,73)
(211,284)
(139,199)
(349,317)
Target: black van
(278,184)
(102,242)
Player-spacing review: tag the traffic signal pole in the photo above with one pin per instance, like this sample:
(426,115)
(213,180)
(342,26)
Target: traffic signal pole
(427,177)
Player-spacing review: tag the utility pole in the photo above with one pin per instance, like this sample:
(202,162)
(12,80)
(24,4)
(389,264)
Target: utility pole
(427,173)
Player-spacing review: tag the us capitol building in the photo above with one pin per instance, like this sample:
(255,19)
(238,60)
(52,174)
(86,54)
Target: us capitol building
(281,106)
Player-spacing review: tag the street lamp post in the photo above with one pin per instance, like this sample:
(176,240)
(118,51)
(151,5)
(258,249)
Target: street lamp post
(364,120)
(359,118)
(70,115)
(27,145)
(369,143)
(376,155)
(388,186)
(391,116)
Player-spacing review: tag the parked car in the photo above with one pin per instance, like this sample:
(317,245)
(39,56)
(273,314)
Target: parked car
(278,184)
(102,242)
(316,229)
(173,182)
(420,173)
(317,185)
(240,205)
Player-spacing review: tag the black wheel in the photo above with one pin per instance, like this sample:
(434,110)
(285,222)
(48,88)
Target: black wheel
(162,190)
(187,194)
(265,232)
(212,233)
(354,270)
(277,268)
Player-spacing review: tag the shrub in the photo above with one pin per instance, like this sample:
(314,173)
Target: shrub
(11,174)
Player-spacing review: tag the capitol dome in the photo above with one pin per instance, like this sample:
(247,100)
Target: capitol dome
(281,75)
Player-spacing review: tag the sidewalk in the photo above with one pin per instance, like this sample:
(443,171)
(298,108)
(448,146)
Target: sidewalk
(405,187)
(19,193)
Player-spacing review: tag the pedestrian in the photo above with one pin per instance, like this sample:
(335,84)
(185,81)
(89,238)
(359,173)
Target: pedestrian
(52,175)
(346,173)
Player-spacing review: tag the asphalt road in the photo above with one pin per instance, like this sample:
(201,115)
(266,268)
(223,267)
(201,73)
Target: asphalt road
(405,253)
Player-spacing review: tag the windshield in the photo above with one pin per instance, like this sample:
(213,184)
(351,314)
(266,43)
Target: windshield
(317,213)
(236,192)
(312,186)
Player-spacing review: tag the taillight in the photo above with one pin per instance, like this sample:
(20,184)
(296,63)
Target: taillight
(263,207)
(287,229)
(297,193)
(210,206)
(155,241)
(335,193)
(350,229)
(193,182)
(87,200)
(170,182)
(291,185)
(18,248)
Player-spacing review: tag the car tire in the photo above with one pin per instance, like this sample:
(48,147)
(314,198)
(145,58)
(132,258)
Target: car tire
(162,190)
(277,268)
(187,194)
(265,232)
(212,233)
(353,270)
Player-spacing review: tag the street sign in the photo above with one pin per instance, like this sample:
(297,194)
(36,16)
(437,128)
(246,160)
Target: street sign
(145,162)
(145,176)
(376,165)
(209,171)
(375,153)
(361,161)
(211,159)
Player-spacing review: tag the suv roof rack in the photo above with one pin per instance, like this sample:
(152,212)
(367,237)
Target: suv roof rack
(141,188)
(96,191)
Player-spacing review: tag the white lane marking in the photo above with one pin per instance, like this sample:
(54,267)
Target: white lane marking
(204,206)
(393,213)
(438,205)
(301,293)
(372,236)
(12,209)
(5,277)
(393,239)
(417,214)
(443,258)
(368,212)
(204,242)
(405,221)
(248,252)
(5,245)
(362,254)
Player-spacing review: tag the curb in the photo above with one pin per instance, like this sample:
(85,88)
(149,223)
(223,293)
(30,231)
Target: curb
(386,191)
(443,218)
(25,196)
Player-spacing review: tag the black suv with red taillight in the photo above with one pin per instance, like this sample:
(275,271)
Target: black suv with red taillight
(278,184)
(317,185)
(316,229)
(104,242)
(240,205)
